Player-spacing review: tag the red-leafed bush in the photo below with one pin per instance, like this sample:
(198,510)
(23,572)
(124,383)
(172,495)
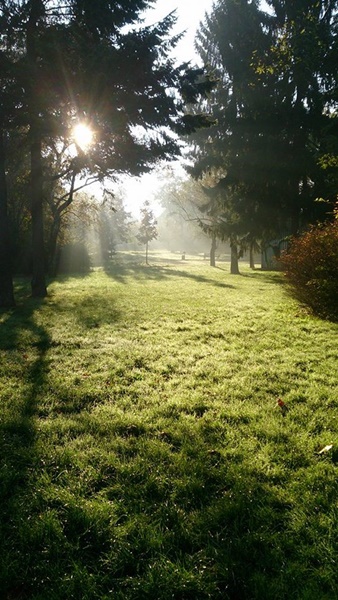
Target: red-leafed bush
(311,269)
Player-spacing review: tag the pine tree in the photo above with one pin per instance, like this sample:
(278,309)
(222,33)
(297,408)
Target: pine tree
(6,279)
(272,109)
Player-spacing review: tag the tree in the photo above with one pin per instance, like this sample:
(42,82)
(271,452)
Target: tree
(303,57)
(272,111)
(76,61)
(114,225)
(220,222)
(227,153)
(6,281)
(147,229)
(8,90)
(311,268)
(184,200)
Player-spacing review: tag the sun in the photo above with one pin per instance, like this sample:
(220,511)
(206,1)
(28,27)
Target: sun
(83,136)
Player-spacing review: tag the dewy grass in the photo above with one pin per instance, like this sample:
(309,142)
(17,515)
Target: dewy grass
(144,455)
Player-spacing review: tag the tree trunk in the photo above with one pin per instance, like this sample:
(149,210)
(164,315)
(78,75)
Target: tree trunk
(53,253)
(252,260)
(38,283)
(234,268)
(213,252)
(6,279)
(146,253)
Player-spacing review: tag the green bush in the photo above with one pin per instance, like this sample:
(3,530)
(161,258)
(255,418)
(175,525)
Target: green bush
(311,269)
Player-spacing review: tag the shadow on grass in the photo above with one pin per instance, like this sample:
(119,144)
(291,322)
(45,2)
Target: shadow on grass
(18,436)
(91,308)
(132,265)
(180,513)
(275,277)
(120,272)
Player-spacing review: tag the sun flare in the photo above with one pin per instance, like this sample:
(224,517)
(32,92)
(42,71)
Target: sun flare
(83,136)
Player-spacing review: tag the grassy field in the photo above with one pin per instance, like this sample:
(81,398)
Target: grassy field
(144,455)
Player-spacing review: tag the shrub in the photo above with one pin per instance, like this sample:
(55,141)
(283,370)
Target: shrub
(311,269)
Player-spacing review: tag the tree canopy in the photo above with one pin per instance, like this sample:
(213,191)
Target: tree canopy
(274,113)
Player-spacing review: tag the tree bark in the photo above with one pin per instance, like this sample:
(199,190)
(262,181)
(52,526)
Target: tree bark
(38,283)
(53,245)
(213,252)
(53,250)
(6,278)
(234,268)
(252,260)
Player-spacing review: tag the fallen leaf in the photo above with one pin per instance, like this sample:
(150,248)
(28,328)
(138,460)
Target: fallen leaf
(282,406)
(325,449)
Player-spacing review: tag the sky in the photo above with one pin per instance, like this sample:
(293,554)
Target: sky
(189,16)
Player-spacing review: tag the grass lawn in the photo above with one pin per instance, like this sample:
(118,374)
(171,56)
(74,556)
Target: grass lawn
(143,453)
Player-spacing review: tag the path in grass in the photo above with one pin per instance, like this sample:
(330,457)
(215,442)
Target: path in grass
(144,455)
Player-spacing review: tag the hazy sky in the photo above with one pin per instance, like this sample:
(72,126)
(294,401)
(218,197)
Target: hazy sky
(189,15)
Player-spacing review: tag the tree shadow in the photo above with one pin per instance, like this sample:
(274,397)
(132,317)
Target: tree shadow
(19,334)
(275,277)
(89,308)
(121,273)
(222,518)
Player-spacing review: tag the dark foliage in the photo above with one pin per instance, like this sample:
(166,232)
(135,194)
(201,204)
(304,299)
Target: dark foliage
(271,148)
(311,269)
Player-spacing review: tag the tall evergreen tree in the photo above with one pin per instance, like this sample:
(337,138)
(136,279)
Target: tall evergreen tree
(6,279)
(231,152)
(277,86)
(303,57)
(8,91)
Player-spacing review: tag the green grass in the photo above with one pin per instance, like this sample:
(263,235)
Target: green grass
(144,456)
